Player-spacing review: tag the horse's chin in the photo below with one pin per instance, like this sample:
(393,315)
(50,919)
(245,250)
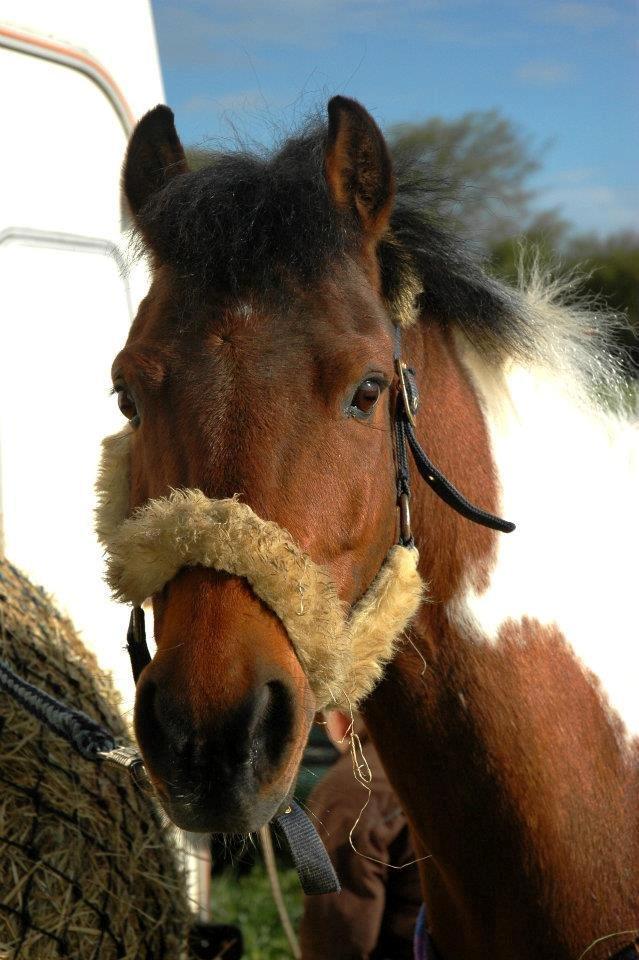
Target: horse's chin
(241,816)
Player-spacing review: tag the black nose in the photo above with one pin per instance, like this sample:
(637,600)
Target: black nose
(213,771)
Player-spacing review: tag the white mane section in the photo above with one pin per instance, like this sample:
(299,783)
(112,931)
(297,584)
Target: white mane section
(569,475)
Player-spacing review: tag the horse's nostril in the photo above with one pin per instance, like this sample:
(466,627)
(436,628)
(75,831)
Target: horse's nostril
(272,727)
(161,726)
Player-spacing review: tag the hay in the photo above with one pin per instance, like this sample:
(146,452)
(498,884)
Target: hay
(87,870)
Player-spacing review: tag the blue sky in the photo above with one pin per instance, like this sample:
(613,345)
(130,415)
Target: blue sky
(566,72)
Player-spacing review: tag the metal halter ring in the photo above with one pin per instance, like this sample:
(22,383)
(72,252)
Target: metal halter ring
(400,368)
(404,518)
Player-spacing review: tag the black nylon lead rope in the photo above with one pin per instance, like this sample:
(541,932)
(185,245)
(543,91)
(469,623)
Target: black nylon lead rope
(84,734)
(91,740)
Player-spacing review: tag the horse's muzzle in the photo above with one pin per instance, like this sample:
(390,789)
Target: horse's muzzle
(225,776)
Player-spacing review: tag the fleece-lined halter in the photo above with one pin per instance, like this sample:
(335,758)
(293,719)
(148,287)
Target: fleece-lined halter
(342,651)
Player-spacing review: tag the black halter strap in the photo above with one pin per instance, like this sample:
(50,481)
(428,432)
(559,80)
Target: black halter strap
(136,645)
(406,407)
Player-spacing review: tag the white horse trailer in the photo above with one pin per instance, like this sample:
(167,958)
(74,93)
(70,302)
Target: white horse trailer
(74,77)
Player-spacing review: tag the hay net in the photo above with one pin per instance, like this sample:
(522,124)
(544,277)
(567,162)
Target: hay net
(87,868)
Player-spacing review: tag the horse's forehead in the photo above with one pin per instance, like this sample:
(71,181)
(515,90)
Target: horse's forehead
(338,321)
(347,289)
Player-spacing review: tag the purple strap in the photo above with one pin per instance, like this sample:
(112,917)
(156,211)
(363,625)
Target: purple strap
(423,946)
(419,943)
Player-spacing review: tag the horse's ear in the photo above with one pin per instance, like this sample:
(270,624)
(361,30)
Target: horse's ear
(154,156)
(358,167)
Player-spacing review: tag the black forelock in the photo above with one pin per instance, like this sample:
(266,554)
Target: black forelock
(251,222)
(247,221)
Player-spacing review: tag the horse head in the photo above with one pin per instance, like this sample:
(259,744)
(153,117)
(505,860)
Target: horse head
(258,371)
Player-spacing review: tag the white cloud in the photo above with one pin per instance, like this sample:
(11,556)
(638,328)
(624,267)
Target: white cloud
(200,32)
(590,204)
(575,175)
(545,74)
(242,100)
(582,16)
(196,32)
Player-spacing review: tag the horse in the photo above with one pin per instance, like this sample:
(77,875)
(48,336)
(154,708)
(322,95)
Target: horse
(261,374)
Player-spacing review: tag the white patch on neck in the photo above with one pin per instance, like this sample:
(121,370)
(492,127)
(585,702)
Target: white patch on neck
(569,478)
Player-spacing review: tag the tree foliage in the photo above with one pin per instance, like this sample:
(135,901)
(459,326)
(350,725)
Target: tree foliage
(481,164)
(609,266)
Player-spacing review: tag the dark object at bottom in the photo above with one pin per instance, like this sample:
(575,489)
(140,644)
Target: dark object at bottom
(208,941)
(629,952)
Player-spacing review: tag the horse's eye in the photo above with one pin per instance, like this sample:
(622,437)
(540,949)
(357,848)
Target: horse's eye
(126,403)
(366,396)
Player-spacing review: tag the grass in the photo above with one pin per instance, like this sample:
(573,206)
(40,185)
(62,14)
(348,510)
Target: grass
(247,902)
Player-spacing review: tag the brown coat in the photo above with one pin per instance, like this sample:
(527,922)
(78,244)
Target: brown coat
(374,915)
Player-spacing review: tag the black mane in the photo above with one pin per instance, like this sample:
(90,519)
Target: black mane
(246,221)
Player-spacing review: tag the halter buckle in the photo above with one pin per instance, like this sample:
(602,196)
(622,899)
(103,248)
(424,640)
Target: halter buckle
(400,368)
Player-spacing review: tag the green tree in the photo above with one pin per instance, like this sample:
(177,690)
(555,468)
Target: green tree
(199,157)
(545,234)
(609,266)
(613,269)
(481,165)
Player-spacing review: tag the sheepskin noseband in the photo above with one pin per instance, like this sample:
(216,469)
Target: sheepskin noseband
(343,652)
